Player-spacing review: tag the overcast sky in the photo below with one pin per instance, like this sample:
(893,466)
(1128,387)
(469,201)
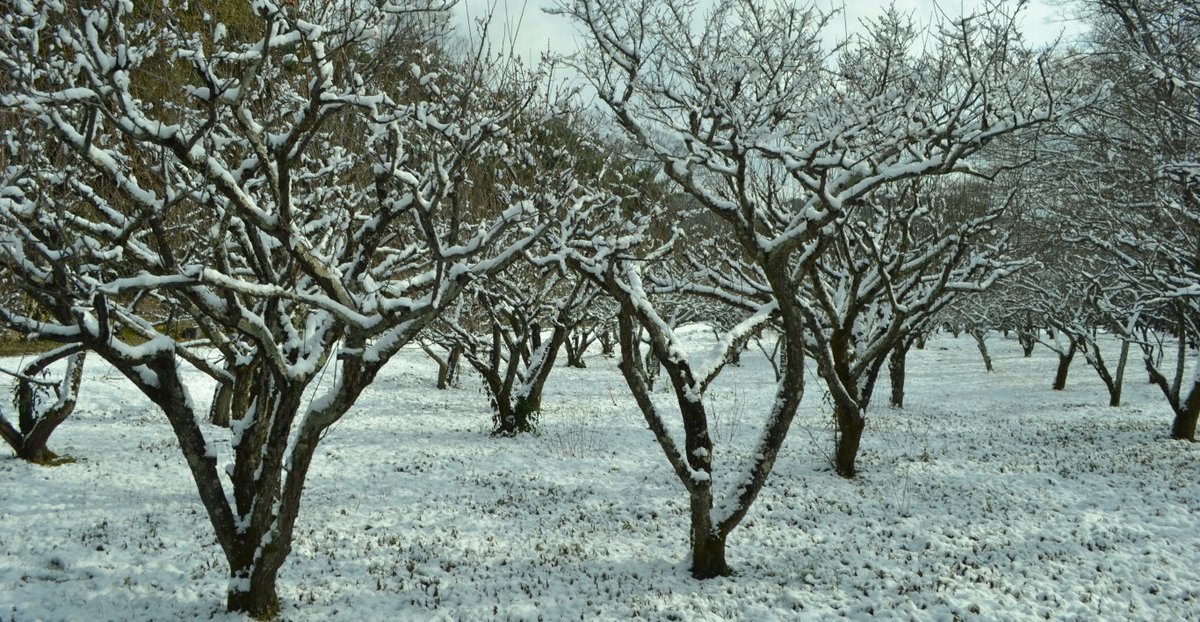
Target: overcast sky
(537,31)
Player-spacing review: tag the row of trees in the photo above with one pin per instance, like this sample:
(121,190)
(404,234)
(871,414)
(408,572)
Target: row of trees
(265,190)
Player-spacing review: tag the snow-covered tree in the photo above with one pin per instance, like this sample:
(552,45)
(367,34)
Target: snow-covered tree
(747,114)
(615,250)
(300,213)
(1129,170)
(510,331)
(42,404)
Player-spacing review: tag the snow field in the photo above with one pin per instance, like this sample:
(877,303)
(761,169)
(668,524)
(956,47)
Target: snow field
(990,497)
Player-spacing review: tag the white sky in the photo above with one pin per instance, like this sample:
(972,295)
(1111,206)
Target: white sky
(536,31)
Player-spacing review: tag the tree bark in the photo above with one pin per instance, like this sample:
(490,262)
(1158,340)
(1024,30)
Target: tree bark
(255,596)
(1185,409)
(517,406)
(897,363)
(1027,339)
(1095,358)
(981,343)
(1186,416)
(850,424)
(37,421)
(607,341)
(233,397)
(1114,398)
(1180,357)
(447,374)
(1184,426)
(450,379)
(576,344)
(220,413)
(708,543)
(1064,365)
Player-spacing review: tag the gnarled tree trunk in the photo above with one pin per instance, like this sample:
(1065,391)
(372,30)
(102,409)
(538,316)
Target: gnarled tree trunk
(40,414)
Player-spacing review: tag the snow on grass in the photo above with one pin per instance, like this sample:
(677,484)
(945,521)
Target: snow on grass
(989,497)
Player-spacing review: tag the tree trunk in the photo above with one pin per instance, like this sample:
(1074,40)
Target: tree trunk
(575,359)
(1064,365)
(1180,358)
(232,398)
(774,355)
(504,422)
(517,408)
(708,544)
(1095,358)
(576,345)
(453,367)
(37,420)
(608,342)
(896,369)
(41,456)
(1184,426)
(219,414)
(1114,395)
(981,343)
(253,593)
(447,374)
(1027,339)
(692,463)
(850,424)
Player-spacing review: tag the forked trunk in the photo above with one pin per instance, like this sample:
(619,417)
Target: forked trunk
(576,345)
(517,406)
(37,416)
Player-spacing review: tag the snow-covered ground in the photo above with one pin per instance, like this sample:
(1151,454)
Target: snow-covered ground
(990,497)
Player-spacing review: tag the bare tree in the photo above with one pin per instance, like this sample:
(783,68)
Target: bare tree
(501,333)
(1130,167)
(299,214)
(42,405)
(614,251)
(746,116)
